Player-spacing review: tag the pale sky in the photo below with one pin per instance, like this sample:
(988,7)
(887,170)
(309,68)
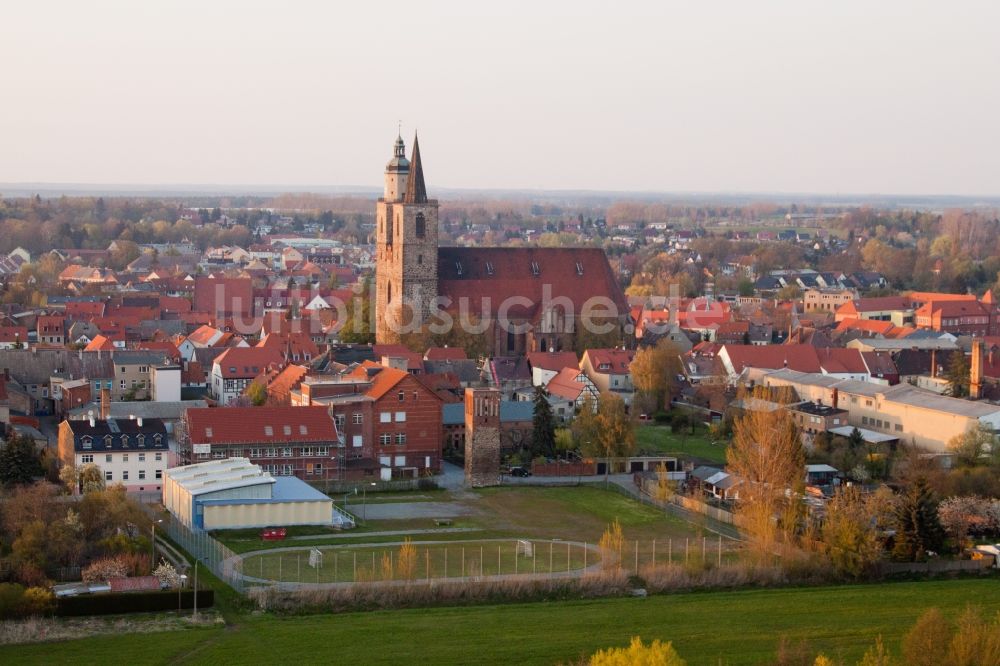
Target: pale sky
(894,96)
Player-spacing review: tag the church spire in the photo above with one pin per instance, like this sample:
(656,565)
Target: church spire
(416,191)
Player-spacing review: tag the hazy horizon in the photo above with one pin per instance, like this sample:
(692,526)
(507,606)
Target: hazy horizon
(773,98)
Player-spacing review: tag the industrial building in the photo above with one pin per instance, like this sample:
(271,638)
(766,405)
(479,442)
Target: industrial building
(234,493)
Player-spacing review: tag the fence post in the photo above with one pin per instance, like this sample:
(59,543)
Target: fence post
(654,553)
(354,573)
(463,562)
(499,567)
(446,561)
(482,561)
(720,550)
(703,543)
(636,557)
(550,559)
(427,560)
(279,567)
(687,548)
(567,557)
(585,556)
(670,551)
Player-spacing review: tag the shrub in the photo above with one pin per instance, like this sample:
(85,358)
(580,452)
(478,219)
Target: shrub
(662,418)
(37,601)
(16,601)
(375,596)
(660,654)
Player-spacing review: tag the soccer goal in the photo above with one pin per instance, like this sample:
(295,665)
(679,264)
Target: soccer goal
(316,558)
(525,548)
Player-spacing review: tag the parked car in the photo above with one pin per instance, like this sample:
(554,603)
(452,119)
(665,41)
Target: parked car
(519,471)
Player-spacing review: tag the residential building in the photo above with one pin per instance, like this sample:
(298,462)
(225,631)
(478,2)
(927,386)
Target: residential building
(133,452)
(610,371)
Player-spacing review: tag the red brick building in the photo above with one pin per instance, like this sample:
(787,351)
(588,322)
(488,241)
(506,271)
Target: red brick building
(390,419)
(285,441)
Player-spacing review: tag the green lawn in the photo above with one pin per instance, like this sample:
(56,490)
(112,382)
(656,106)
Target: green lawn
(698,446)
(437,560)
(707,628)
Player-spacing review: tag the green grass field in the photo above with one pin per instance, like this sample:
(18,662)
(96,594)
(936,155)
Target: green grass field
(707,628)
(696,446)
(458,559)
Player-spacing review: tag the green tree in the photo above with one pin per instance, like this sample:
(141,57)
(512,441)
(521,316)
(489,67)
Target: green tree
(972,446)
(615,431)
(584,427)
(257,394)
(851,539)
(19,461)
(918,528)
(543,436)
(357,327)
(653,370)
(855,440)
(957,374)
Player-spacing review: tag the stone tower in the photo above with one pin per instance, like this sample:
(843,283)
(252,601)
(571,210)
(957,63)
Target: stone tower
(482,437)
(406,247)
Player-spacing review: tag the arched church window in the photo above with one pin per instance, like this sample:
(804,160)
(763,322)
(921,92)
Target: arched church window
(388,298)
(421,225)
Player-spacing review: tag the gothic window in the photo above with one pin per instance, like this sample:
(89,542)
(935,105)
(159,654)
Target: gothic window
(388,298)
(388,228)
(421,226)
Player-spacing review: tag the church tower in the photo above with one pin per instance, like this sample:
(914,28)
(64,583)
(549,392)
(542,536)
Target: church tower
(406,248)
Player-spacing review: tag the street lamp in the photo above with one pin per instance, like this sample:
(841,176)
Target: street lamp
(364,504)
(180,586)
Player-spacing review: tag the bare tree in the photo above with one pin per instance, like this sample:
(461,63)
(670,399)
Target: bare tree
(767,457)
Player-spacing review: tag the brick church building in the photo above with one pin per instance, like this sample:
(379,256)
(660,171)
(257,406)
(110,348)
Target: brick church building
(523,299)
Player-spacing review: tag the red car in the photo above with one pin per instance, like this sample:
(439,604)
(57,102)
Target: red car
(273,534)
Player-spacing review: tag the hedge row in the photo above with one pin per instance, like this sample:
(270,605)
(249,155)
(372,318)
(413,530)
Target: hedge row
(131,602)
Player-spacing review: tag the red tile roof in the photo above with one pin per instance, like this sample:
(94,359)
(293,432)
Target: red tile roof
(445,354)
(553,361)
(134,584)
(223,295)
(610,361)
(14,334)
(246,362)
(270,425)
(497,273)
(565,384)
(100,343)
(169,348)
(84,310)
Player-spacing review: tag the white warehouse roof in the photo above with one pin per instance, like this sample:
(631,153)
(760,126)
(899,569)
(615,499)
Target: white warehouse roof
(216,475)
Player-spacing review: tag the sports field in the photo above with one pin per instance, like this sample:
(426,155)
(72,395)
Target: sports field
(707,628)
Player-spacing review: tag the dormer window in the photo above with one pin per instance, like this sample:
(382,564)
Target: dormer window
(107,441)
(579,268)
(157,439)
(535,270)
(141,440)
(421,226)
(489,268)
(458,268)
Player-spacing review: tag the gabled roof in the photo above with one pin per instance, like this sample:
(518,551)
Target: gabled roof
(567,385)
(270,425)
(552,361)
(246,362)
(100,343)
(487,276)
(445,354)
(610,361)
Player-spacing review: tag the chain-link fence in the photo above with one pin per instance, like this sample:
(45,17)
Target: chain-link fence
(220,560)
